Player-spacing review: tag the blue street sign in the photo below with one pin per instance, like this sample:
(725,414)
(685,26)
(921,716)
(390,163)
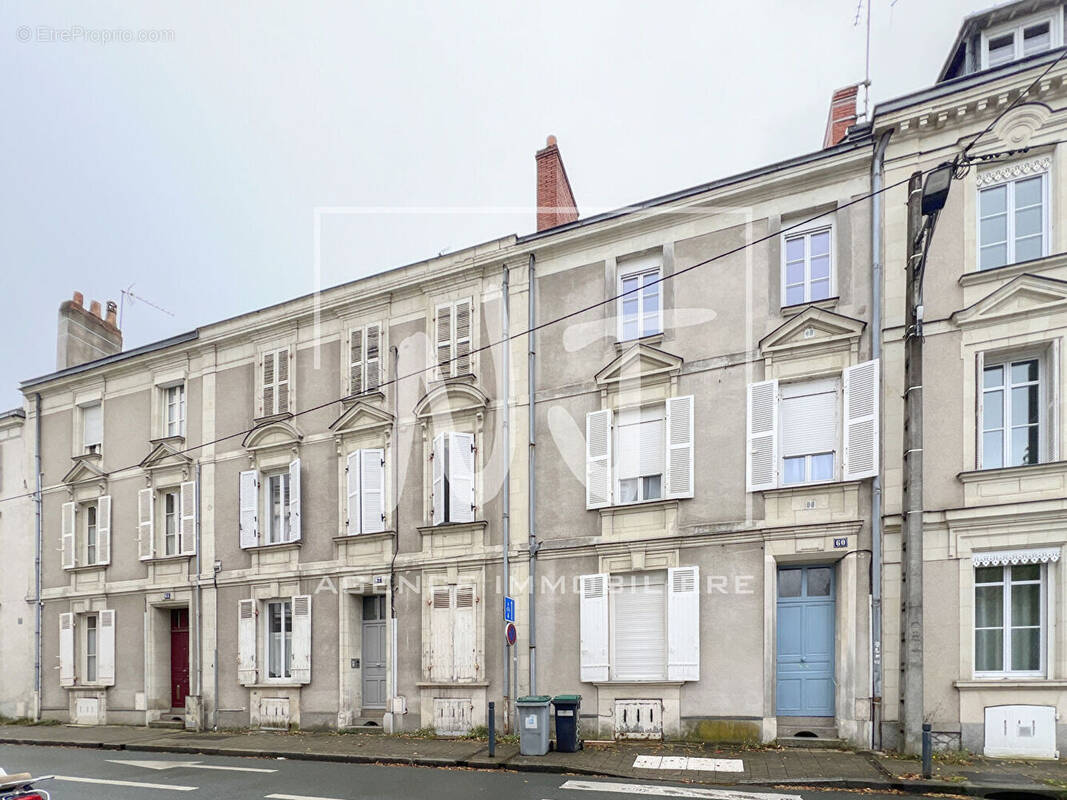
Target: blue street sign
(509,609)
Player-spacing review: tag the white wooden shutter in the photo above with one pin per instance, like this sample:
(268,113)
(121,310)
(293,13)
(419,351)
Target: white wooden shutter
(372,490)
(762,443)
(301,663)
(807,418)
(146,540)
(269,389)
(683,624)
(92,425)
(374,357)
(66,539)
(465,634)
(355,384)
(441,659)
(461,477)
(443,339)
(639,632)
(66,649)
(352,487)
(187,521)
(283,393)
(249,508)
(437,495)
(246,641)
(594,627)
(598,459)
(294,500)
(464,324)
(103,530)
(105,648)
(680,446)
(861,421)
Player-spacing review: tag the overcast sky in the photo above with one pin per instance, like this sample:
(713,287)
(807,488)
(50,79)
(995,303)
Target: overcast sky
(190,168)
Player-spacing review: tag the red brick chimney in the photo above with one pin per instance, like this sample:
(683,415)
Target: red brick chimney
(842,115)
(555,200)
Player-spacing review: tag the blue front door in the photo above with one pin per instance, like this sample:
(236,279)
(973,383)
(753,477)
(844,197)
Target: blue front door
(805,673)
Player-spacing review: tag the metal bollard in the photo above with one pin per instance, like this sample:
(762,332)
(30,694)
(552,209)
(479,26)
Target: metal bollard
(928,751)
(492,729)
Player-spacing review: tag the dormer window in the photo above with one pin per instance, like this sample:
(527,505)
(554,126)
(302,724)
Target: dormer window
(1020,38)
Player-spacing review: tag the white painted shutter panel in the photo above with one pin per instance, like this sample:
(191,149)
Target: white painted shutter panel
(283,381)
(374,357)
(66,539)
(249,508)
(980,409)
(441,634)
(269,377)
(187,522)
(465,634)
(762,443)
(356,362)
(639,635)
(105,659)
(598,459)
(594,627)
(301,663)
(146,540)
(807,418)
(352,486)
(680,446)
(861,421)
(246,641)
(443,339)
(294,500)
(372,492)
(438,490)
(461,477)
(66,649)
(103,530)
(683,624)
(464,324)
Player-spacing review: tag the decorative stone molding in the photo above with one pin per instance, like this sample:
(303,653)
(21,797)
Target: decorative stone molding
(1013,170)
(1018,126)
(1004,558)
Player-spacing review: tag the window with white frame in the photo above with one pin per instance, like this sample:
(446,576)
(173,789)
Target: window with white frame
(87,648)
(1013,215)
(90,647)
(1009,619)
(807,266)
(810,431)
(452,489)
(171,521)
(640,626)
(174,410)
(1019,38)
(639,453)
(279,638)
(166,521)
(365,489)
(85,538)
(453,653)
(453,326)
(269,506)
(364,351)
(640,308)
(92,427)
(277,507)
(274,382)
(274,640)
(1013,403)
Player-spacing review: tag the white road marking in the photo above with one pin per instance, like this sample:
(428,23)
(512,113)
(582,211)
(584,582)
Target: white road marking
(680,762)
(675,791)
(134,784)
(190,764)
(297,797)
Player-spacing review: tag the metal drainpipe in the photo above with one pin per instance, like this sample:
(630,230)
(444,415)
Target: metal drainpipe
(877,165)
(215,670)
(394,672)
(37,558)
(532,463)
(198,598)
(505,523)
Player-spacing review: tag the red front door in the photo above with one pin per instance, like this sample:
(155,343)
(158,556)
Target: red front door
(179,656)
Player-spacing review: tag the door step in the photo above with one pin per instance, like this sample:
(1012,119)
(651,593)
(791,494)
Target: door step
(811,743)
(167,723)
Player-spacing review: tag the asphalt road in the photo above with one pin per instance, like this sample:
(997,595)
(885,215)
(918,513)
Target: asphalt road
(94,775)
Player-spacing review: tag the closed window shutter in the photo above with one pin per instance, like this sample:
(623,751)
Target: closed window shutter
(598,459)
(461,477)
(352,486)
(66,649)
(103,530)
(92,425)
(249,508)
(683,624)
(680,446)
(443,339)
(105,658)
(283,381)
(465,634)
(437,495)
(187,523)
(294,500)
(464,324)
(356,362)
(762,436)
(269,374)
(593,623)
(246,641)
(808,418)
(372,493)
(639,632)
(146,538)
(69,516)
(861,420)
(374,358)
(441,661)
(301,663)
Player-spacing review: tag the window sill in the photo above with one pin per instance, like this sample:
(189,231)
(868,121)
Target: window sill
(798,308)
(804,488)
(260,548)
(86,568)
(426,530)
(283,415)
(376,395)
(472,684)
(643,505)
(999,473)
(177,439)
(1008,271)
(166,559)
(92,687)
(652,340)
(1010,683)
(351,537)
(631,682)
(278,684)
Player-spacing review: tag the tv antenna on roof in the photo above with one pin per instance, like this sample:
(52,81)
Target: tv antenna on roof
(127,294)
(867,54)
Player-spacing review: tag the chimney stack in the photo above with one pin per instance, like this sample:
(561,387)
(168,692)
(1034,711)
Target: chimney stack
(842,115)
(555,200)
(86,335)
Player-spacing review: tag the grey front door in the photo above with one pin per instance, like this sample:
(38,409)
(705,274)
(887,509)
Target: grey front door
(805,673)
(374,652)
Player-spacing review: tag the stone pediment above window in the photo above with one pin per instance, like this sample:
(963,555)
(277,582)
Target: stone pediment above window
(639,365)
(813,331)
(273,436)
(166,463)
(361,416)
(85,470)
(1026,295)
(451,397)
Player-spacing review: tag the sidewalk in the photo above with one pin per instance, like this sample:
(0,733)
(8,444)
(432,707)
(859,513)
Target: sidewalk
(969,775)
